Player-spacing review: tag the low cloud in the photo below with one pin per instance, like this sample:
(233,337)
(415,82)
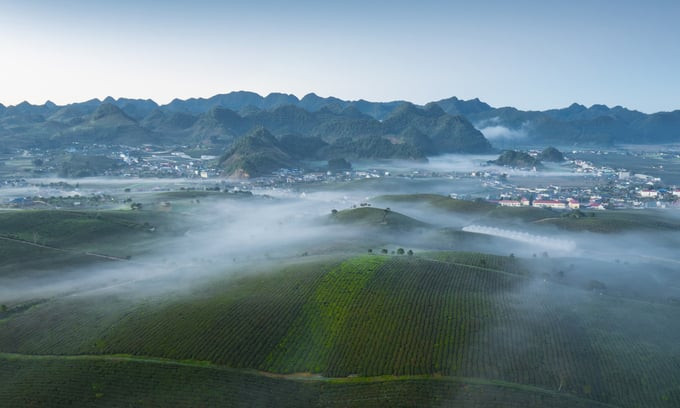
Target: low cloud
(494,131)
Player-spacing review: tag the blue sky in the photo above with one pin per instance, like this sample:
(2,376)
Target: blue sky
(528,54)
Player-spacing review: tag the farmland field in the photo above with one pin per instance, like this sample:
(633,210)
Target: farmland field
(437,327)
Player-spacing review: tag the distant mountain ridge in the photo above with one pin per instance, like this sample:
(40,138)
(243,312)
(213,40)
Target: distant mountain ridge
(446,126)
(338,128)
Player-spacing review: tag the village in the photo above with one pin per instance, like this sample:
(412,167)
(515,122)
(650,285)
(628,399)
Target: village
(588,187)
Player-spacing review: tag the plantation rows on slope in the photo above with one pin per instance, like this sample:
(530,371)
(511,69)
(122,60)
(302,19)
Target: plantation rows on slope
(379,315)
(121,382)
(37,241)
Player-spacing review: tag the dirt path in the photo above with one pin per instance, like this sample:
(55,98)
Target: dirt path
(305,377)
(72,251)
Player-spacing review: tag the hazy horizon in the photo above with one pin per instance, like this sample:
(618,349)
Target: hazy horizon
(300,96)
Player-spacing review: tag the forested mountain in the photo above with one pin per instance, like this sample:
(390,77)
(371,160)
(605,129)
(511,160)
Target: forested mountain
(446,126)
(338,128)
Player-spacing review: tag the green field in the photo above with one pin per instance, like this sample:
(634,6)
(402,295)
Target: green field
(594,221)
(438,327)
(370,330)
(123,381)
(381,217)
(44,240)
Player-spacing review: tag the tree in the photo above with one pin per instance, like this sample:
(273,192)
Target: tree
(384,251)
(334,211)
(410,252)
(370,251)
(400,251)
(3,308)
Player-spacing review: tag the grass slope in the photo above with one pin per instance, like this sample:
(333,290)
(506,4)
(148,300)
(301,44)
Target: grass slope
(120,381)
(452,315)
(44,241)
(71,229)
(376,217)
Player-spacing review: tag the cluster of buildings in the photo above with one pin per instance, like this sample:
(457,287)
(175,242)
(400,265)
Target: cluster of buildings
(659,193)
(287,177)
(149,163)
(568,204)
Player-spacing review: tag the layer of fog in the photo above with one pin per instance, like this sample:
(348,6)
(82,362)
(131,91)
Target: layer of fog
(561,245)
(493,130)
(227,235)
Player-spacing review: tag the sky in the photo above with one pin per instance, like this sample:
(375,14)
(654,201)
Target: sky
(533,55)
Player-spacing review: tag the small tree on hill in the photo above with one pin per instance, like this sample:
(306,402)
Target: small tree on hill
(400,251)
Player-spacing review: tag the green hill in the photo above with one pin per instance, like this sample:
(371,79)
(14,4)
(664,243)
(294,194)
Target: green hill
(512,158)
(107,124)
(254,155)
(551,154)
(430,327)
(439,201)
(61,381)
(443,133)
(41,242)
(371,216)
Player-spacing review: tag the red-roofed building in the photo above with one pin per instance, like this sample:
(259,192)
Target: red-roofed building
(594,205)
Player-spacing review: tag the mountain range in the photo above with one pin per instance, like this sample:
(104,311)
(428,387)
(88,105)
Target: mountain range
(351,129)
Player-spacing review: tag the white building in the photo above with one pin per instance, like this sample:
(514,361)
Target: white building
(573,204)
(510,203)
(550,204)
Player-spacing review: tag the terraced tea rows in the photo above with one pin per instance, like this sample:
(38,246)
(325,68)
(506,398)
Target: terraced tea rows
(119,381)
(380,315)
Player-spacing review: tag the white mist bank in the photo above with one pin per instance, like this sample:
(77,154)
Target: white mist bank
(563,245)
